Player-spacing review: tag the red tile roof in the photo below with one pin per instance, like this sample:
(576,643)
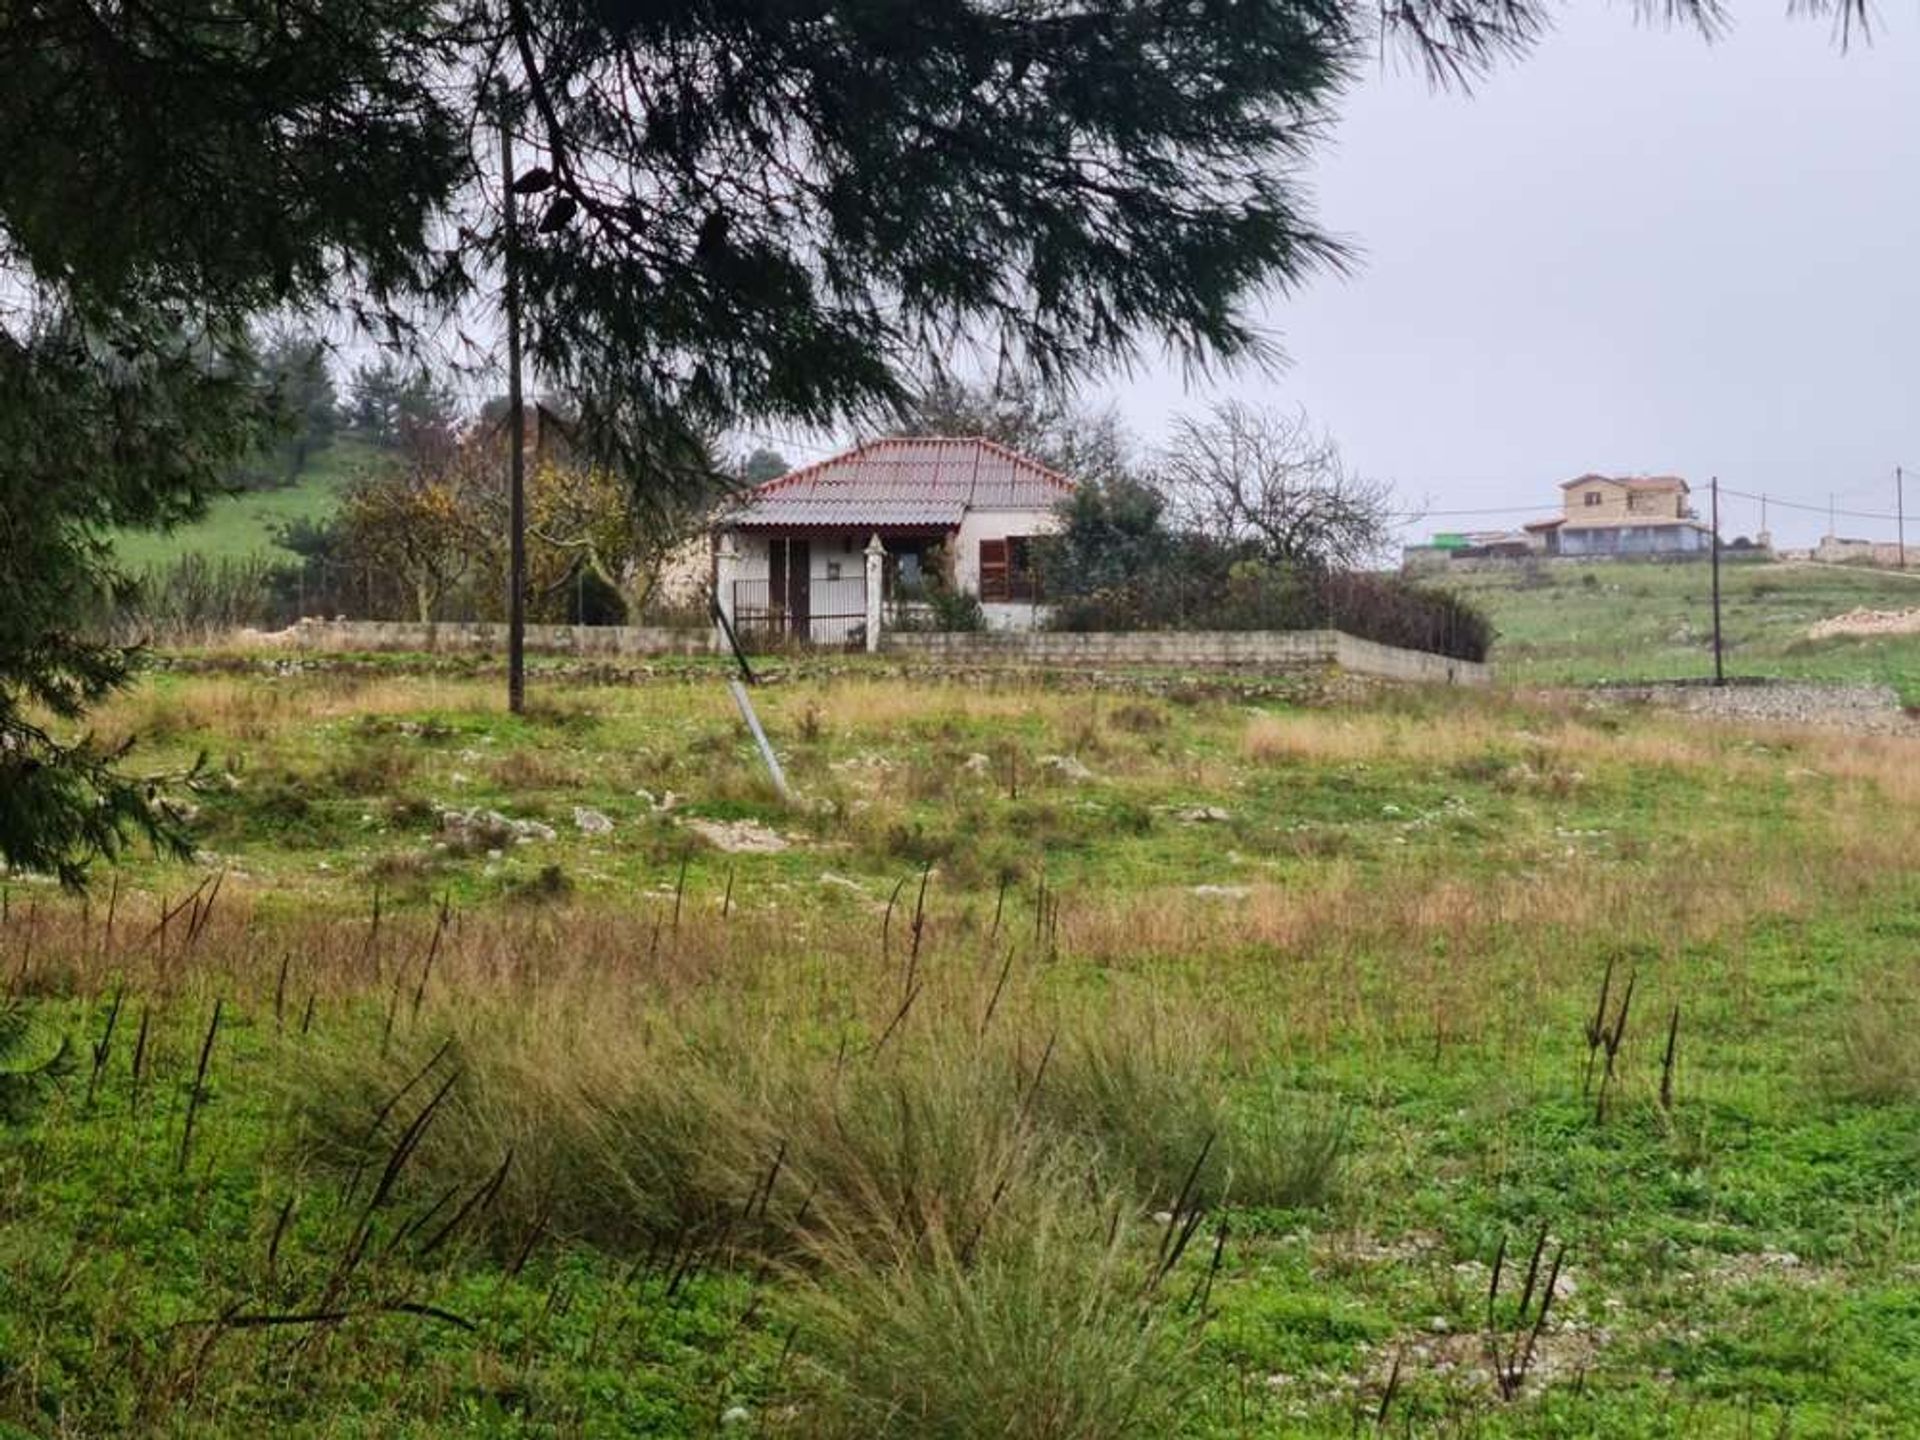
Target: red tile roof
(905,480)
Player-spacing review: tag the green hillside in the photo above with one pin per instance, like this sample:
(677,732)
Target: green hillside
(240,526)
(1564,623)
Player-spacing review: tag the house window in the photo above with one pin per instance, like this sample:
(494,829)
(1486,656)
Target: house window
(1007,569)
(1593,498)
(833,569)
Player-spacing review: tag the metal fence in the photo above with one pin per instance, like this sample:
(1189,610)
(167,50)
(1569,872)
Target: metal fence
(805,610)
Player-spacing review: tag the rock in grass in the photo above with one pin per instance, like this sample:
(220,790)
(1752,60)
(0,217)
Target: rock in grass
(1205,815)
(484,829)
(1067,767)
(739,836)
(590,822)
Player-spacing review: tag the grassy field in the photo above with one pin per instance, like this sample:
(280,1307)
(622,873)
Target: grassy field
(1061,1065)
(1578,624)
(247,525)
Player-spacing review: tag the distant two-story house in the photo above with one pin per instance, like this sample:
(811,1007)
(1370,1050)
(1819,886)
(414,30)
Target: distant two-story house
(1623,515)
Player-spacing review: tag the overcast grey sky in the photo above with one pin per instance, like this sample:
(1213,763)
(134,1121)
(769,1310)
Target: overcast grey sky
(1632,252)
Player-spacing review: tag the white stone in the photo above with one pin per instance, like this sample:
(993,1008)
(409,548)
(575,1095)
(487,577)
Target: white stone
(1205,815)
(590,822)
(739,836)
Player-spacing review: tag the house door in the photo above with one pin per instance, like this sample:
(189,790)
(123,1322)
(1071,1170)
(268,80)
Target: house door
(790,583)
(799,596)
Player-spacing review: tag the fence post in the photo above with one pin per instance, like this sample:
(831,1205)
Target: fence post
(726,571)
(876,579)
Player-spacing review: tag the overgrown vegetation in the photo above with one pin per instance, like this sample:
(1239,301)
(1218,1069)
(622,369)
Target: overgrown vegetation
(1238,1078)
(1120,562)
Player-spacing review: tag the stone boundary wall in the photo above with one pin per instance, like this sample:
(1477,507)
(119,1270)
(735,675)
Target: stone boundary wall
(1251,649)
(481,638)
(1434,565)
(1246,649)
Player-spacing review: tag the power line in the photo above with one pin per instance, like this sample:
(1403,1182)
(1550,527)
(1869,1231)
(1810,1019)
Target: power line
(1814,509)
(1485,510)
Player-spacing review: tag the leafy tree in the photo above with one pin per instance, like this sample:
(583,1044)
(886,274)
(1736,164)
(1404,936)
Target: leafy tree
(299,379)
(172,176)
(763,465)
(1112,533)
(1122,562)
(390,402)
(437,527)
(420,524)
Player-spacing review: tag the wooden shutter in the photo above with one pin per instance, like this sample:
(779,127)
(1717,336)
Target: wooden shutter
(993,570)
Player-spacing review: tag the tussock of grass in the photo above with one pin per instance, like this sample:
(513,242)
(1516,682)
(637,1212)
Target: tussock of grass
(1879,1055)
(1044,1332)
(635,1124)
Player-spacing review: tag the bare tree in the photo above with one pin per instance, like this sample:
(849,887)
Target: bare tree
(1023,413)
(1271,482)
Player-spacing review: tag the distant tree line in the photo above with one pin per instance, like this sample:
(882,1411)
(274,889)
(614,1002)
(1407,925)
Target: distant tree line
(421,530)
(382,403)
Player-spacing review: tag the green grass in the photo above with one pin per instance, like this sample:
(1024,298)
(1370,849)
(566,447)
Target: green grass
(795,1154)
(1566,624)
(246,526)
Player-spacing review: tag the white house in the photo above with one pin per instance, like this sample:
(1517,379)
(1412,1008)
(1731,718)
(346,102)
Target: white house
(820,552)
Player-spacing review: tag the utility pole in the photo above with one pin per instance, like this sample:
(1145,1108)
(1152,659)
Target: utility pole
(1900,510)
(1719,669)
(516,435)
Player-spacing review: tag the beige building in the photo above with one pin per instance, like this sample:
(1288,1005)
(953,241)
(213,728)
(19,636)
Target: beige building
(1623,515)
(1838,550)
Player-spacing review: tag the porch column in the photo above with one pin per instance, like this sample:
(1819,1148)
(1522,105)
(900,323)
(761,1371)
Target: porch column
(726,570)
(876,579)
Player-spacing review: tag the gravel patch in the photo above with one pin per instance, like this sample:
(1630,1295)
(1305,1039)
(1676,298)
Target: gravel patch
(1868,622)
(1865,709)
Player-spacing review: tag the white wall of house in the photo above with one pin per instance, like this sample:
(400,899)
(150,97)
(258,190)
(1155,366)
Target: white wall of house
(978,525)
(830,551)
(830,555)
(1668,539)
(836,570)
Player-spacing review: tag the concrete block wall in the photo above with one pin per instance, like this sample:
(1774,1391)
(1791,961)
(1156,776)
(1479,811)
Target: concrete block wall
(1252,649)
(486,638)
(1249,649)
